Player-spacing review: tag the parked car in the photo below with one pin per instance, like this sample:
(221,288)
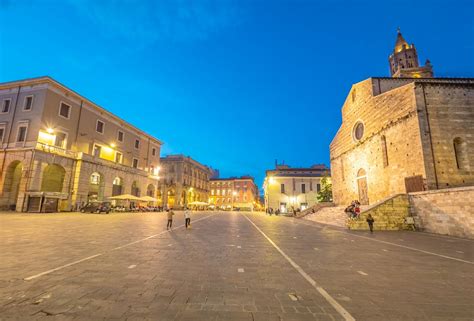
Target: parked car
(96,207)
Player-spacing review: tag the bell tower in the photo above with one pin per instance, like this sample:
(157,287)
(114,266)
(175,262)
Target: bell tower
(404,61)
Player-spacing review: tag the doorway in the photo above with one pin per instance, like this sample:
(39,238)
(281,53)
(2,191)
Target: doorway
(362,187)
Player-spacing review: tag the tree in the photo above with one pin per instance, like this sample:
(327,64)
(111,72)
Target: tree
(325,194)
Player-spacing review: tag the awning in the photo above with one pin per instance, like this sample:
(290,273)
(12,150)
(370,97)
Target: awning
(125,197)
(148,199)
(198,203)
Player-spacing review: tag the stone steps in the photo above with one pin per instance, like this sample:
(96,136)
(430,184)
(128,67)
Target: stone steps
(329,215)
(389,214)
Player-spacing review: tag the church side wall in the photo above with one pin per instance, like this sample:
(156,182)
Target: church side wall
(450,110)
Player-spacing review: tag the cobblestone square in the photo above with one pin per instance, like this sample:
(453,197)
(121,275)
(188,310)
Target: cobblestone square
(228,266)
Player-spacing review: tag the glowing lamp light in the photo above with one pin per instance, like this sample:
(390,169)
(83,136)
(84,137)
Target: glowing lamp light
(112,145)
(49,130)
(271,180)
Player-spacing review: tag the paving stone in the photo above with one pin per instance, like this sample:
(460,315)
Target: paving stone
(197,279)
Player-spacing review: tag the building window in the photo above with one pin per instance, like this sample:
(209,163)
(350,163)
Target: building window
(96,150)
(282,188)
(358,131)
(384,151)
(318,187)
(137,143)
(310,185)
(120,136)
(353,95)
(2,133)
(153,151)
(64,110)
(6,105)
(28,103)
(60,139)
(303,188)
(342,169)
(135,163)
(460,153)
(21,136)
(99,126)
(212,192)
(118,157)
(95,178)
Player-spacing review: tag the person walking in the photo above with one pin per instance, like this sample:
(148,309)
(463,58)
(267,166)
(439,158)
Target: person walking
(170,214)
(370,221)
(187,218)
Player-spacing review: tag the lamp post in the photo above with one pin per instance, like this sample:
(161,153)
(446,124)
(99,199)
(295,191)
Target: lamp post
(233,195)
(271,180)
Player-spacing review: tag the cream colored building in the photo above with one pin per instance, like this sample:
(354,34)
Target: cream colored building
(287,188)
(60,150)
(184,181)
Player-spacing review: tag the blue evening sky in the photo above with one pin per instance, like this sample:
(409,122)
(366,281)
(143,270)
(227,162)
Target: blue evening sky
(233,84)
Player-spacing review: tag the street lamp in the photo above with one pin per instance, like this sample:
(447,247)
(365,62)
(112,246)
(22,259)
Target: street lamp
(271,181)
(233,195)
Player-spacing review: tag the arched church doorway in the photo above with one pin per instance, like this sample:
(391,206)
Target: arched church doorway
(362,187)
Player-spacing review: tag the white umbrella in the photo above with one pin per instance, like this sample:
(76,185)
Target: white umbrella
(198,203)
(125,197)
(148,199)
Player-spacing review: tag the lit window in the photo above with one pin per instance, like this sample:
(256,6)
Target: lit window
(28,104)
(96,151)
(60,140)
(118,157)
(64,110)
(6,105)
(95,178)
(99,127)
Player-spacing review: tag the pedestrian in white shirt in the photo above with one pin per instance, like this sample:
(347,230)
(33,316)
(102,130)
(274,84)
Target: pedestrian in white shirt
(187,218)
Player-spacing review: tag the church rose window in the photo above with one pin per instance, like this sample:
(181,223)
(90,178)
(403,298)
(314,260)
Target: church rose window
(358,131)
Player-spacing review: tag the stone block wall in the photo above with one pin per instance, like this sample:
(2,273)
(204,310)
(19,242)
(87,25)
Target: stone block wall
(389,214)
(447,211)
(389,116)
(446,112)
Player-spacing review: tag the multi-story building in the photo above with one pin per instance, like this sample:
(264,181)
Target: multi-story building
(234,193)
(287,189)
(184,181)
(60,149)
(401,135)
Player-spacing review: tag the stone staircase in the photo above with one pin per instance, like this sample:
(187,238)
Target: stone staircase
(315,208)
(331,215)
(389,214)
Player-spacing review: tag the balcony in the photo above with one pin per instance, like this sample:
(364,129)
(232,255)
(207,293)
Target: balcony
(56,150)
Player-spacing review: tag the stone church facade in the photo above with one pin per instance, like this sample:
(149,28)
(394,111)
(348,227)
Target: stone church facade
(402,135)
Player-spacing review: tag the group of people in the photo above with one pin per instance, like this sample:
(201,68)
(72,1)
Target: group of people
(353,212)
(187,218)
